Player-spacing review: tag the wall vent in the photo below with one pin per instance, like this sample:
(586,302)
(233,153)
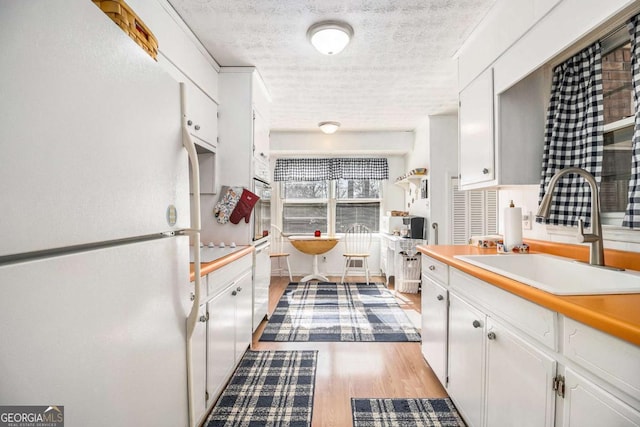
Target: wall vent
(355,263)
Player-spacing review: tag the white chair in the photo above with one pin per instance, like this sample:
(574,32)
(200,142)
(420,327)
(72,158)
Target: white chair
(357,241)
(277,251)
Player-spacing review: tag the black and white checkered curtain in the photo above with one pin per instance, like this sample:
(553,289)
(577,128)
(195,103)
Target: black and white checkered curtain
(351,168)
(632,214)
(330,169)
(303,170)
(574,135)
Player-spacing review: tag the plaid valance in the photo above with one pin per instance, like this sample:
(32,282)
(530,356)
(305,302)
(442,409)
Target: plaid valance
(574,134)
(330,169)
(632,214)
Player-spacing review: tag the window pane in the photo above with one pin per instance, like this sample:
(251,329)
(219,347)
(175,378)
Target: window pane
(304,218)
(616,170)
(357,213)
(358,189)
(616,84)
(305,190)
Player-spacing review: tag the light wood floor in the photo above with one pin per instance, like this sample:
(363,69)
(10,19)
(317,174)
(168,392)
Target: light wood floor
(359,369)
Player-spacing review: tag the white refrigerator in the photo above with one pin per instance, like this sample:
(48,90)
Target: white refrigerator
(94,268)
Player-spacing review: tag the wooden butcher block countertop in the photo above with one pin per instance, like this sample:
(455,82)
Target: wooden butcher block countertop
(206,268)
(618,315)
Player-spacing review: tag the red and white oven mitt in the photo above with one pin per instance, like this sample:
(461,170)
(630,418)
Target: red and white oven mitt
(244,207)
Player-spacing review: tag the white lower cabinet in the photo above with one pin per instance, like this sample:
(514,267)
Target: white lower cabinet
(221,340)
(519,390)
(244,315)
(223,332)
(435,302)
(506,367)
(199,363)
(466,359)
(496,378)
(589,405)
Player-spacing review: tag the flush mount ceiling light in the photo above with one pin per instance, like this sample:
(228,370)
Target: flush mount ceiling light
(330,37)
(329,127)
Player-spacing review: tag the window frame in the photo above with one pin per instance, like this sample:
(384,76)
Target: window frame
(332,202)
(613,41)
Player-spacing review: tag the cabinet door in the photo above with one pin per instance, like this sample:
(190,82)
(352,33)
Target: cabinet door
(244,314)
(435,302)
(260,146)
(466,359)
(220,341)
(476,153)
(202,116)
(261,280)
(199,363)
(588,405)
(519,381)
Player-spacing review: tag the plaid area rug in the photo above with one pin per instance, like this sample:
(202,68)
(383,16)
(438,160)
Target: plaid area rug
(327,311)
(405,413)
(269,388)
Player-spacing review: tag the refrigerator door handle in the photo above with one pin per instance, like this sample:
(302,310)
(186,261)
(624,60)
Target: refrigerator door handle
(194,232)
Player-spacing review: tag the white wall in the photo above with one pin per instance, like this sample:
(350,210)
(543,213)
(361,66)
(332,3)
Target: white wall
(341,143)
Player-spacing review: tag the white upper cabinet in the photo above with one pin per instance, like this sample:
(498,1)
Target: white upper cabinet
(202,117)
(502,134)
(476,154)
(260,146)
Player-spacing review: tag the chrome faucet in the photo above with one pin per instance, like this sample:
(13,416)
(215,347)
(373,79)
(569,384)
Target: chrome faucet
(596,250)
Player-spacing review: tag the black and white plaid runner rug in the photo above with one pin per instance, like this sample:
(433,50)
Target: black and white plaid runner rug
(405,413)
(326,311)
(269,388)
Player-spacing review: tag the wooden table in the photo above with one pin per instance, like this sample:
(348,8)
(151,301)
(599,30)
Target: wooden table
(315,246)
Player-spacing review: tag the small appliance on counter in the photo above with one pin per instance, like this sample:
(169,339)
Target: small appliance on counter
(391,224)
(414,226)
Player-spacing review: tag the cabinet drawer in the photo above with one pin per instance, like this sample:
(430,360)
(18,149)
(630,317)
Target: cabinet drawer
(612,359)
(220,279)
(435,269)
(536,321)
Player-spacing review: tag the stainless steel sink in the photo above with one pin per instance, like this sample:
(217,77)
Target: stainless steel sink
(557,275)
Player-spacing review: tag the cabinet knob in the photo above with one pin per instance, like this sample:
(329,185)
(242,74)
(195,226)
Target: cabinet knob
(238,289)
(234,293)
(189,122)
(491,335)
(432,267)
(476,324)
(197,127)
(192,296)
(203,318)
(439,297)
(485,171)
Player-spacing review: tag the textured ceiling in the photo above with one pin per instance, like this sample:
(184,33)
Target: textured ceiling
(398,68)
